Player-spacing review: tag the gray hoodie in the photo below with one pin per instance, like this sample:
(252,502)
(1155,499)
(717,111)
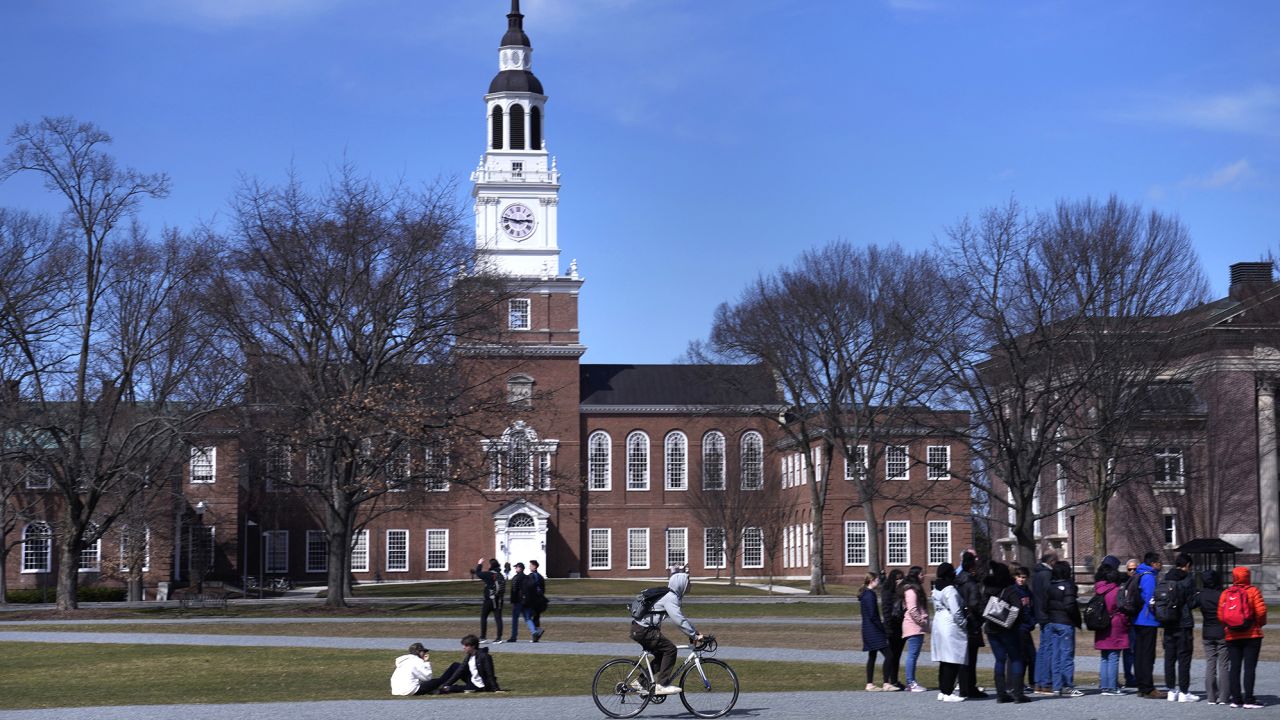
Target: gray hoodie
(669,606)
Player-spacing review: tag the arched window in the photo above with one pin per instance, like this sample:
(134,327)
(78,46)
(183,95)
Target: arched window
(752,459)
(496,141)
(516,116)
(637,461)
(676,448)
(520,520)
(713,461)
(535,128)
(37,548)
(519,461)
(599,460)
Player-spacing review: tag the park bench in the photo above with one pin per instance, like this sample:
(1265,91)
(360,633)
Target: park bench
(205,602)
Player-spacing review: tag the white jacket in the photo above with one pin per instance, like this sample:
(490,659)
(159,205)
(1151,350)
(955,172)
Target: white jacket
(948,642)
(411,672)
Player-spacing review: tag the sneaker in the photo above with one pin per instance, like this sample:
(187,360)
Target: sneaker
(499,641)
(1071,692)
(872,687)
(512,639)
(889,687)
(635,685)
(917,687)
(1022,699)
(1113,692)
(1251,706)
(666,690)
(1188,697)
(1173,696)
(537,634)
(1234,705)
(953,698)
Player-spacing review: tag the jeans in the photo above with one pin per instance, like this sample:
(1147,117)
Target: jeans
(1062,655)
(1006,645)
(517,612)
(1109,670)
(1044,668)
(1215,670)
(528,620)
(914,643)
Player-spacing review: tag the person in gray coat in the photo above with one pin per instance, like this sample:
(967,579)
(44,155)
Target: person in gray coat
(648,630)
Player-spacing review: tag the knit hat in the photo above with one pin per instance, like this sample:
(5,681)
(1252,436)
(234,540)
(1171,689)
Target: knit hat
(1111,560)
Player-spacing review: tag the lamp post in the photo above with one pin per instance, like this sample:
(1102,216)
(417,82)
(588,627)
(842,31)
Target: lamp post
(244,553)
(199,509)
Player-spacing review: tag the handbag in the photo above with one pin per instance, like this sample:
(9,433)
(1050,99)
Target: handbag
(1000,612)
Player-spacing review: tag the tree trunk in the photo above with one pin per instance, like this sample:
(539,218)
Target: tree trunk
(339,529)
(68,573)
(818,505)
(873,536)
(1100,528)
(135,586)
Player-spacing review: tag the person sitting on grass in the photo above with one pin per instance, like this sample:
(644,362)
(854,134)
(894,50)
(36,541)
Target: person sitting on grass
(413,672)
(474,674)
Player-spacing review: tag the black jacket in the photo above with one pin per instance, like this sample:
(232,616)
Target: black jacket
(517,588)
(1063,607)
(975,601)
(1188,598)
(484,665)
(490,579)
(1207,601)
(1040,577)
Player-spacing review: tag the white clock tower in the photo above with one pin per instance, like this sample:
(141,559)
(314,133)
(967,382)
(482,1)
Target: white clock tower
(517,183)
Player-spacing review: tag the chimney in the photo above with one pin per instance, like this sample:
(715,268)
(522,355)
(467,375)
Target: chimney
(1248,278)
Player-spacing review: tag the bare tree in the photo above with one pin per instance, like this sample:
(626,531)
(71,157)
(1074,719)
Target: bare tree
(731,505)
(106,387)
(349,307)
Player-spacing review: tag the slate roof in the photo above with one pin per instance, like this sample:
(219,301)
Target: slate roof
(677,385)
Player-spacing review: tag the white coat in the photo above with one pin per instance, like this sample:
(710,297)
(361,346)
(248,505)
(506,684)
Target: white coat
(948,642)
(411,671)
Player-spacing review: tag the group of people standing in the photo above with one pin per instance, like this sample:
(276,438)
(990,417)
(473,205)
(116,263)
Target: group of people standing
(1004,606)
(528,596)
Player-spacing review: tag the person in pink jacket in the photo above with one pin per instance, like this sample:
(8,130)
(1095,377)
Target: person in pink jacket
(1112,641)
(915,621)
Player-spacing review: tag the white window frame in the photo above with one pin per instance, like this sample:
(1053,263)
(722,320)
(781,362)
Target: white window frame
(751,470)
(37,479)
(938,462)
(637,461)
(708,546)
(314,539)
(92,553)
(279,466)
(275,552)
(857,470)
(124,548)
(938,541)
(1060,476)
(398,468)
(360,552)
(212,558)
(1169,527)
(893,455)
(709,439)
(681,545)
(389,551)
(199,453)
(903,528)
(752,545)
(1170,463)
(855,530)
(437,469)
(519,314)
(600,549)
(599,469)
(637,548)
(437,541)
(676,460)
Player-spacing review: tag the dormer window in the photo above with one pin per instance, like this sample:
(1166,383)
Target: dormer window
(517,169)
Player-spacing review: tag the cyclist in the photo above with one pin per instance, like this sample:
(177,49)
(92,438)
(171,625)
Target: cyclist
(648,630)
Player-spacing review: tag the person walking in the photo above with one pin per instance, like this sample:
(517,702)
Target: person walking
(517,582)
(892,612)
(1005,642)
(1112,641)
(1179,632)
(1214,639)
(949,642)
(1063,618)
(874,639)
(915,621)
(1145,627)
(493,593)
(1040,576)
(1243,614)
(535,601)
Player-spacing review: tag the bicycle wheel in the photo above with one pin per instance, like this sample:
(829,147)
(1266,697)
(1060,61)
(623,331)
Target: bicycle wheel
(620,688)
(711,692)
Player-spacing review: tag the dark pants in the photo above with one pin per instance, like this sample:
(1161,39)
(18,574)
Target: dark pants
(893,658)
(446,682)
(1177,658)
(1126,656)
(1007,648)
(947,675)
(1028,645)
(517,614)
(1242,656)
(494,608)
(969,673)
(1144,657)
(871,666)
(664,651)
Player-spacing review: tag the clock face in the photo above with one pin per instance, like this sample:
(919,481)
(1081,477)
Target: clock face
(518,221)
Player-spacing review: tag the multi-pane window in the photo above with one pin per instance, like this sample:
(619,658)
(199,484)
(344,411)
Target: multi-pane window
(637,461)
(1169,468)
(939,541)
(360,552)
(544,470)
(752,461)
(713,461)
(855,463)
(518,314)
(677,546)
(752,548)
(1061,477)
(520,461)
(1170,527)
(599,551)
(898,542)
(713,547)
(397,551)
(131,538)
(202,464)
(938,459)
(398,468)
(437,549)
(202,549)
(91,553)
(276,550)
(436,462)
(676,448)
(895,462)
(599,460)
(37,548)
(855,543)
(279,466)
(638,548)
(37,479)
(317,551)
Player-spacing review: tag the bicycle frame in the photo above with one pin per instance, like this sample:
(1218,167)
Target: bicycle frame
(694,657)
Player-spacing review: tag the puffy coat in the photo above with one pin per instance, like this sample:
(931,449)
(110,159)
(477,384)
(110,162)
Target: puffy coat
(1063,607)
(873,634)
(916,620)
(1147,577)
(1115,637)
(1208,602)
(1241,576)
(948,643)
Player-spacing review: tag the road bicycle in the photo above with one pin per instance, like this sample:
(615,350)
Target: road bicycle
(623,688)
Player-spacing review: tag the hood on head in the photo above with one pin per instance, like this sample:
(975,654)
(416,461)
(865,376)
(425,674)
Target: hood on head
(679,583)
(1176,574)
(1210,579)
(1242,576)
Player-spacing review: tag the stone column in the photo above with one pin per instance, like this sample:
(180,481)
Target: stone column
(1268,485)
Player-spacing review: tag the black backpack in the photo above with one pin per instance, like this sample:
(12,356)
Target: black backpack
(1166,603)
(497,591)
(1129,598)
(1095,613)
(897,610)
(642,604)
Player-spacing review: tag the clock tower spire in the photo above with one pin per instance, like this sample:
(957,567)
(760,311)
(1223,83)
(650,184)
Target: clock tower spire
(517,183)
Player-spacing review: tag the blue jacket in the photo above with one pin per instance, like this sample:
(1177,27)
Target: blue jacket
(873,634)
(1147,577)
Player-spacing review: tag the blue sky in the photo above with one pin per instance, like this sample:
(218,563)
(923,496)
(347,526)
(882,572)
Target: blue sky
(702,141)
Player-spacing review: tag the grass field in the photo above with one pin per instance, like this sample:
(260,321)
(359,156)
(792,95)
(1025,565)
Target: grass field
(577,587)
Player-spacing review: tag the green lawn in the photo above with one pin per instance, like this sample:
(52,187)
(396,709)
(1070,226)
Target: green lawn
(556,587)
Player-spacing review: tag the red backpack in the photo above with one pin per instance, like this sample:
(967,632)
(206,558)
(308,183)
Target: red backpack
(1235,611)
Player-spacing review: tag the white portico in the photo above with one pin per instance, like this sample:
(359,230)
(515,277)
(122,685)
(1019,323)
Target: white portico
(520,534)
